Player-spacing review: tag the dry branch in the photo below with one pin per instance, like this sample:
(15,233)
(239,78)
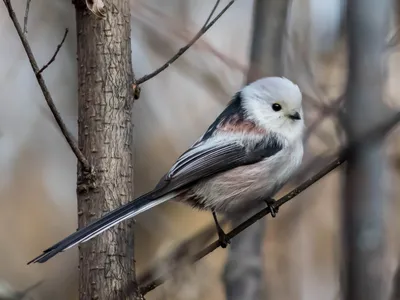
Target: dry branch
(55,53)
(339,160)
(207,25)
(47,96)
(28,3)
(186,35)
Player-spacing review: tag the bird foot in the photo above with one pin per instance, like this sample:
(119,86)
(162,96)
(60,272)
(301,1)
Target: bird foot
(223,239)
(271,205)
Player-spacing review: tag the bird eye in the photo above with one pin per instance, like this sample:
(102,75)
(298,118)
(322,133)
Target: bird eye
(276,107)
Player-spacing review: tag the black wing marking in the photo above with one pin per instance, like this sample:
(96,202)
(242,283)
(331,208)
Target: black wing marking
(204,161)
(234,108)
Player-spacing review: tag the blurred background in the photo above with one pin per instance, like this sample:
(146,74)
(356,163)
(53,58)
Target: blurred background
(300,248)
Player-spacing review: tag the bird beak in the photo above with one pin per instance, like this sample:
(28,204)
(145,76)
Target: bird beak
(295,116)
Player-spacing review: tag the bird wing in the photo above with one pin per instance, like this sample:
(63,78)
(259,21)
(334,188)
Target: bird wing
(210,158)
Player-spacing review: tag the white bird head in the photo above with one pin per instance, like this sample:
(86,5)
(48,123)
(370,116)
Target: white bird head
(275,104)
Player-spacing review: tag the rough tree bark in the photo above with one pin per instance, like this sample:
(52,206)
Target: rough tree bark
(105,136)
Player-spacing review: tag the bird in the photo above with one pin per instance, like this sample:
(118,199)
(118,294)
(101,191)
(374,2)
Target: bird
(244,157)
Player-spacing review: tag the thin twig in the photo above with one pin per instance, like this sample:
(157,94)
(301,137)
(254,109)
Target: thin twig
(211,13)
(341,158)
(187,34)
(55,53)
(207,25)
(47,96)
(28,3)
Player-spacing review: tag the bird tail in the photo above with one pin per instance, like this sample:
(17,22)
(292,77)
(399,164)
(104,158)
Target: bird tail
(124,212)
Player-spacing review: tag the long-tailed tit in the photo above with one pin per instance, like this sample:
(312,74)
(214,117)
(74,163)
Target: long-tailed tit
(244,157)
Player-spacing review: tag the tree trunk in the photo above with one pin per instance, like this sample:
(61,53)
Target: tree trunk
(363,224)
(269,24)
(105,98)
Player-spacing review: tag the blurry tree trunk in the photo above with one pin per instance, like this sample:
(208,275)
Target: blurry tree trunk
(395,293)
(105,136)
(363,201)
(243,276)
(397,11)
(269,27)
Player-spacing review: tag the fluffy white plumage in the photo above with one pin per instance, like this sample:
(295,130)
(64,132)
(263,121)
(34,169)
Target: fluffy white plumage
(241,187)
(271,90)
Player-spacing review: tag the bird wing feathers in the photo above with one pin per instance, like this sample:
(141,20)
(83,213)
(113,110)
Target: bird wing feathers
(209,159)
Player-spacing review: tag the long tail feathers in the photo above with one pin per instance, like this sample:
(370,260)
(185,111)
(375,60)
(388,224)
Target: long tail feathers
(126,211)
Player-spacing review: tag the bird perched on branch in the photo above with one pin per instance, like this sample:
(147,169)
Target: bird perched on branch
(246,155)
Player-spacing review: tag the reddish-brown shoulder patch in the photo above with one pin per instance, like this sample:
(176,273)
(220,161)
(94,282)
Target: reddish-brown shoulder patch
(237,124)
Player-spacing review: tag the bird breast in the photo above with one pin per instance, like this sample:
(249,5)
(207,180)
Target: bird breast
(244,186)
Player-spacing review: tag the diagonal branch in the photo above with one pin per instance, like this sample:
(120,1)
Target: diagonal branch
(55,53)
(341,158)
(207,25)
(176,29)
(47,96)
(28,3)
(212,13)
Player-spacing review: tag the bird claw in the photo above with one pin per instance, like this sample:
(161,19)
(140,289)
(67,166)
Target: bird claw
(223,239)
(271,205)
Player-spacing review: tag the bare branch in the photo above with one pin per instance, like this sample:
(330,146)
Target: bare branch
(55,53)
(28,3)
(47,96)
(341,158)
(207,25)
(186,35)
(212,13)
